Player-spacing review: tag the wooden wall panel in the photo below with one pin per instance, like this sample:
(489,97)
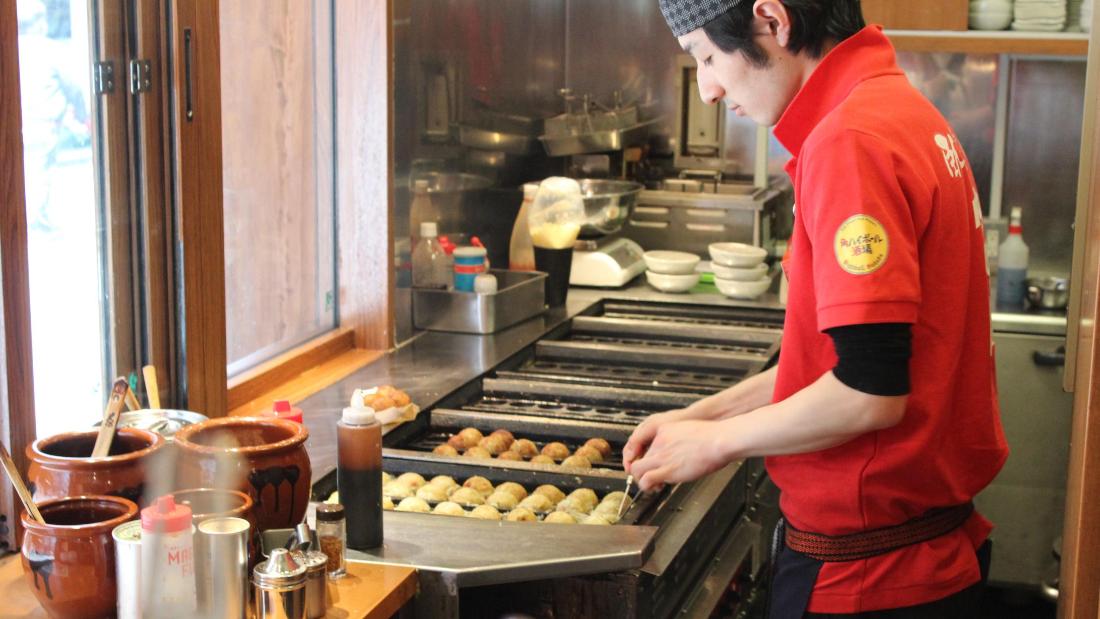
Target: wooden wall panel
(364,130)
(923,15)
(16,384)
(277,161)
(197,163)
(1079,595)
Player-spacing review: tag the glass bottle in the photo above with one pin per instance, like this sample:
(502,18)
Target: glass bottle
(429,261)
(332,535)
(521,253)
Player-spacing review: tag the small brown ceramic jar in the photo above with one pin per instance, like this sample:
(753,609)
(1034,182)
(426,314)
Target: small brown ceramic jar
(69,562)
(62,465)
(262,456)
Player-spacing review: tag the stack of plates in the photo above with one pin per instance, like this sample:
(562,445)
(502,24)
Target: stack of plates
(1073,15)
(1042,15)
(1086,15)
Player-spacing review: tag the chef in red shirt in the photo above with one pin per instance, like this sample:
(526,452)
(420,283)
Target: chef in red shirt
(880,422)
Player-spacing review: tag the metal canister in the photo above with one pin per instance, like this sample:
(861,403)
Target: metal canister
(280,587)
(127,537)
(221,568)
(316,585)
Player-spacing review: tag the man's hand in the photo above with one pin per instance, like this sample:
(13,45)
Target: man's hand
(645,432)
(679,451)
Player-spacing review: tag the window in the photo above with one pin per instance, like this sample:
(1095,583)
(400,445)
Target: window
(277,154)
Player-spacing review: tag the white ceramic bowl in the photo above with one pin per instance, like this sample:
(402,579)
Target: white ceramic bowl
(670,262)
(737,255)
(672,283)
(741,275)
(743,290)
(990,20)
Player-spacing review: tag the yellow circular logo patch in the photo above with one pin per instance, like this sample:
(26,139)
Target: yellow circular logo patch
(861,245)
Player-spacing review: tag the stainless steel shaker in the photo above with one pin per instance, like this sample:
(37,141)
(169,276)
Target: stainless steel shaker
(221,568)
(280,587)
(316,583)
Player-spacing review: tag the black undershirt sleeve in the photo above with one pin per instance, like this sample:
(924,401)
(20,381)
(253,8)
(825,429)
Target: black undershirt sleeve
(873,358)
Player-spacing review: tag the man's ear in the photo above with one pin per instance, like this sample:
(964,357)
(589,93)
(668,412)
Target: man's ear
(773,15)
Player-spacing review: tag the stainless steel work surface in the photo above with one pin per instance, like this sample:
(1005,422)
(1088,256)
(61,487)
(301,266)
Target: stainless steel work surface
(480,552)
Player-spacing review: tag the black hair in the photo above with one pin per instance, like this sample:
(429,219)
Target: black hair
(813,24)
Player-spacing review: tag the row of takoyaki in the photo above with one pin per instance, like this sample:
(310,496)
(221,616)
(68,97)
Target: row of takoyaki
(502,445)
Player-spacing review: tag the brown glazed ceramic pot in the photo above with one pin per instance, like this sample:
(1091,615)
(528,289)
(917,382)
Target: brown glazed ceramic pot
(69,562)
(62,465)
(207,503)
(264,457)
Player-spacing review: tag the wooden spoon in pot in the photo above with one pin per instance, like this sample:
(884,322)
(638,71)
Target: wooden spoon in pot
(20,487)
(150,373)
(110,418)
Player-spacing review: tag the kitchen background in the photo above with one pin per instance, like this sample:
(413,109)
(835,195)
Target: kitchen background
(480,63)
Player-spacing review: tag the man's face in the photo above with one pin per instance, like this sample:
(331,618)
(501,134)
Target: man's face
(760,93)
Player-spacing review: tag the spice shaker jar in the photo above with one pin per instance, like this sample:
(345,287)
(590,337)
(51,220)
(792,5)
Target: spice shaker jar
(333,536)
(280,587)
(316,583)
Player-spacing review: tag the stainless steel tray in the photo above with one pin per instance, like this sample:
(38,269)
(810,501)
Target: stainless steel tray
(520,295)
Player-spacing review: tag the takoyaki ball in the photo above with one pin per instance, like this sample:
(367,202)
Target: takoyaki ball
(559,518)
(387,503)
(541,459)
(599,445)
(493,444)
(525,448)
(614,498)
(467,496)
(445,450)
(502,500)
(445,481)
(412,480)
(608,510)
(386,478)
(577,462)
(506,435)
(479,483)
(479,453)
(551,492)
(449,508)
(470,436)
(555,450)
(485,512)
(413,504)
(585,496)
(537,503)
(591,453)
(572,506)
(511,456)
(432,494)
(458,442)
(596,519)
(401,398)
(397,490)
(521,514)
(514,489)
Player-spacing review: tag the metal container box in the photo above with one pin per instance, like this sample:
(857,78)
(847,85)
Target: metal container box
(520,295)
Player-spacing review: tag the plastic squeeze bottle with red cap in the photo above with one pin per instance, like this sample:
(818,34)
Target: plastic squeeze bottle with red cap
(283,410)
(167,560)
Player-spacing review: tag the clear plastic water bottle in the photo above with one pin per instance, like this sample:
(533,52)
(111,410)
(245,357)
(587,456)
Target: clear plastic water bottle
(1012,258)
(429,261)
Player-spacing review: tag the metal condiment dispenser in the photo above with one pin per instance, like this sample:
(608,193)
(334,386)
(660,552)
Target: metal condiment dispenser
(315,562)
(280,584)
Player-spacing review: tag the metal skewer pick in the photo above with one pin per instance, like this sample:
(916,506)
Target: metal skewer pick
(622,502)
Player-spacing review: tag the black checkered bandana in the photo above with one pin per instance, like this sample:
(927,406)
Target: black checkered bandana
(683,16)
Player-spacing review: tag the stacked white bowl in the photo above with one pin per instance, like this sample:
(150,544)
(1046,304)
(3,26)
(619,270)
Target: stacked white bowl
(1041,15)
(739,269)
(990,14)
(671,271)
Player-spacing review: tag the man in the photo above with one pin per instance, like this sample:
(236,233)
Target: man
(880,421)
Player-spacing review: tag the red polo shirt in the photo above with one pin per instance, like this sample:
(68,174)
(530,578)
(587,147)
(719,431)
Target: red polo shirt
(887,229)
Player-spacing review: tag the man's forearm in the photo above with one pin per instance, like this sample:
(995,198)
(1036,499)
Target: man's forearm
(748,395)
(823,415)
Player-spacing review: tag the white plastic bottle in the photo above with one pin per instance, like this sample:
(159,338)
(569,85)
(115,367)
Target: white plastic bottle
(429,261)
(167,560)
(421,210)
(1012,258)
(521,253)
